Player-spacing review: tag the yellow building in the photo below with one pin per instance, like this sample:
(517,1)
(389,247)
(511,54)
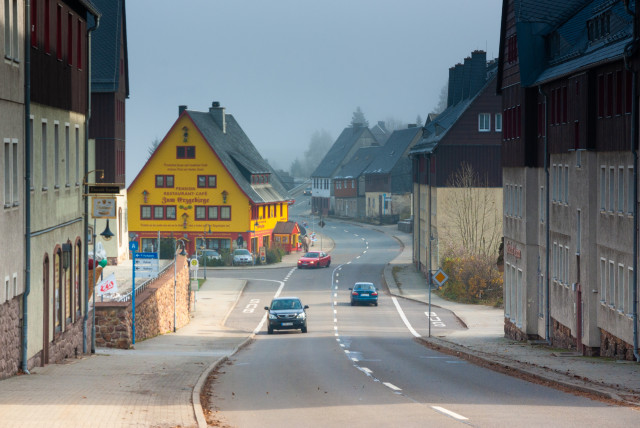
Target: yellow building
(206,184)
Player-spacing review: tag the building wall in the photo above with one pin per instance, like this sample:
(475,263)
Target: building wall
(185,196)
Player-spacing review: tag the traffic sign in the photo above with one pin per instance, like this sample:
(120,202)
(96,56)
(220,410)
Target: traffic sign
(440,277)
(193,263)
(133,245)
(99,189)
(146,265)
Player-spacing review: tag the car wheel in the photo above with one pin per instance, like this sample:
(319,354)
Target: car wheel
(270,330)
(329,263)
(353,303)
(304,329)
(375,304)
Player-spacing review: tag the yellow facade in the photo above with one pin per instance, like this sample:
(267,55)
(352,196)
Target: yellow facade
(185,191)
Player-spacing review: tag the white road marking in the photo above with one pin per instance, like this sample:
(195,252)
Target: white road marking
(334,302)
(348,263)
(264,317)
(435,319)
(336,287)
(355,360)
(346,351)
(336,334)
(335,311)
(335,294)
(364,252)
(346,231)
(337,340)
(404,318)
(335,320)
(355,234)
(449,413)
(358,257)
(335,327)
(342,345)
(392,386)
(366,370)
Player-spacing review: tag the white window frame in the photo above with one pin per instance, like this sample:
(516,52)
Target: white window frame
(612,284)
(620,288)
(603,280)
(555,261)
(631,185)
(603,188)
(56,154)
(498,122)
(33,154)
(77,154)
(15,168)
(7,173)
(554,184)
(43,153)
(566,184)
(620,189)
(541,204)
(484,122)
(629,299)
(578,231)
(612,188)
(560,185)
(67,153)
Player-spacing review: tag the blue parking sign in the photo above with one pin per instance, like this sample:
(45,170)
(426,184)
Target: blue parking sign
(133,245)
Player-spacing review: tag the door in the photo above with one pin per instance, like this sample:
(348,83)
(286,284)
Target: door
(45,312)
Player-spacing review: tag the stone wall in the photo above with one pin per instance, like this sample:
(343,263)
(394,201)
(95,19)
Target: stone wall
(613,347)
(561,335)
(154,310)
(10,337)
(513,332)
(68,344)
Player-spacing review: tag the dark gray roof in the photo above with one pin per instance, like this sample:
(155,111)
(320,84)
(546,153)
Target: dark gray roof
(550,13)
(576,52)
(358,162)
(106,42)
(380,132)
(240,157)
(397,144)
(339,151)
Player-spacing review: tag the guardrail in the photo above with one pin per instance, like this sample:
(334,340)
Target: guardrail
(139,289)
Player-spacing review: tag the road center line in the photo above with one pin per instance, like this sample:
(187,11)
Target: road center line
(392,386)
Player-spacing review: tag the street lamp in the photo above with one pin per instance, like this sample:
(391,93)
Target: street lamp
(204,247)
(175,263)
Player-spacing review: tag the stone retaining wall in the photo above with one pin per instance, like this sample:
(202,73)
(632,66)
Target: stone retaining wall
(154,310)
(614,347)
(10,336)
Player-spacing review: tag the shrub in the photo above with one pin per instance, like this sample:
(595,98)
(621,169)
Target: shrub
(274,254)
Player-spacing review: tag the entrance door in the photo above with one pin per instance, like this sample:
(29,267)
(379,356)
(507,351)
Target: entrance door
(45,312)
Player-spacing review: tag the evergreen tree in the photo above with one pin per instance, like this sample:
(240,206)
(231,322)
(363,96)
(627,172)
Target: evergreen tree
(358,117)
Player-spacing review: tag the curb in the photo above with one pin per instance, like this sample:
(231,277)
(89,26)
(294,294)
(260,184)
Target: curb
(197,389)
(501,366)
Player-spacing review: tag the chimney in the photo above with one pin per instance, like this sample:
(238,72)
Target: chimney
(457,83)
(218,115)
(181,109)
(466,78)
(450,89)
(478,71)
(412,125)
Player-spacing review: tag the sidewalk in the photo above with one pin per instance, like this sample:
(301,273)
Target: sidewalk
(483,341)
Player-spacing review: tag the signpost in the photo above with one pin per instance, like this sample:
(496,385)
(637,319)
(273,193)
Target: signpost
(439,278)
(133,246)
(147,264)
(193,266)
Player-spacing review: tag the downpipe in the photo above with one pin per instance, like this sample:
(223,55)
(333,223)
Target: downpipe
(547,282)
(629,51)
(27,183)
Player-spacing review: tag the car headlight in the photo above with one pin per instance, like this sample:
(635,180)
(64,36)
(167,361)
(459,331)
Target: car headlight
(273,317)
(301,315)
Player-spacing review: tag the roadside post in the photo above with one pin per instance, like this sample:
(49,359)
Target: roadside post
(439,278)
(133,247)
(193,269)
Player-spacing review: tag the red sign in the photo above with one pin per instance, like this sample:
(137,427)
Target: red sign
(109,285)
(513,250)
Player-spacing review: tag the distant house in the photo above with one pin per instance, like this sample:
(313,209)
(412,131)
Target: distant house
(569,158)
(388,184)
(206,185)
(467,133)
(349,186)
(349,141)
(109,91)
(380,132)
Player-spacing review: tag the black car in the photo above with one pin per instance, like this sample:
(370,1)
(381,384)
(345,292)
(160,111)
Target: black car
(287,313)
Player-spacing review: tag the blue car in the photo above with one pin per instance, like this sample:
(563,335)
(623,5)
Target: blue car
(364,292)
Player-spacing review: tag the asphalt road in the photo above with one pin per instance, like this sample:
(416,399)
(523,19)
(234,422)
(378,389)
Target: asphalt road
(360,366)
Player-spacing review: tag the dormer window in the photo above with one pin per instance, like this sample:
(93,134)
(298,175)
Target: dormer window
(599,27)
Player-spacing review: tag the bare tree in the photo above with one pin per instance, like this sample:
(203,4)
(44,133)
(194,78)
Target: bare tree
(474,216)
(152,148)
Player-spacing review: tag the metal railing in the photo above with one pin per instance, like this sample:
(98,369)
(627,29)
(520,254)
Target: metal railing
(139,288)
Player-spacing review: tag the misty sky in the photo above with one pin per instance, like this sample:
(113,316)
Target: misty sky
(285,68)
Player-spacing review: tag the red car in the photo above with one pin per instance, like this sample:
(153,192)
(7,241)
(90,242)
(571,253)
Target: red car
(314,259)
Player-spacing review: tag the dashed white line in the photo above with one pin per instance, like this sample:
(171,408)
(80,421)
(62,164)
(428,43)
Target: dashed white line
(366,370)
(449,413)
(392,386)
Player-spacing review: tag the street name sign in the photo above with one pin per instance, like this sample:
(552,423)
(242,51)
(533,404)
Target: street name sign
(146,265)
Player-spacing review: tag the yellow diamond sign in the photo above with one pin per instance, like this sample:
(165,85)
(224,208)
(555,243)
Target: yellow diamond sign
(440,278)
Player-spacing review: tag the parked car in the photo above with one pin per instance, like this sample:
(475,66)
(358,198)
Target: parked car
(314,259)
(307,191)
(287,313)
(209,254)
(242,256)
(364,292)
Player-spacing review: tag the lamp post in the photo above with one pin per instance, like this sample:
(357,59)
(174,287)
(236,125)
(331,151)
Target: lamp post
(106,235)
(175,263)
(204,247)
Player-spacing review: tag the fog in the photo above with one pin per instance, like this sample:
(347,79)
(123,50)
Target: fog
(288,68)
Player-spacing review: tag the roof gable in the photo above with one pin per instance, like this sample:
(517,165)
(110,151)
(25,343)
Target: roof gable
(395,148)
(106,42)
(358,162)
(338,154)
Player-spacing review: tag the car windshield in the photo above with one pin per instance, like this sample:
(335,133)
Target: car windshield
(286,304)
(312,255)
(241,252)
(364,287)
